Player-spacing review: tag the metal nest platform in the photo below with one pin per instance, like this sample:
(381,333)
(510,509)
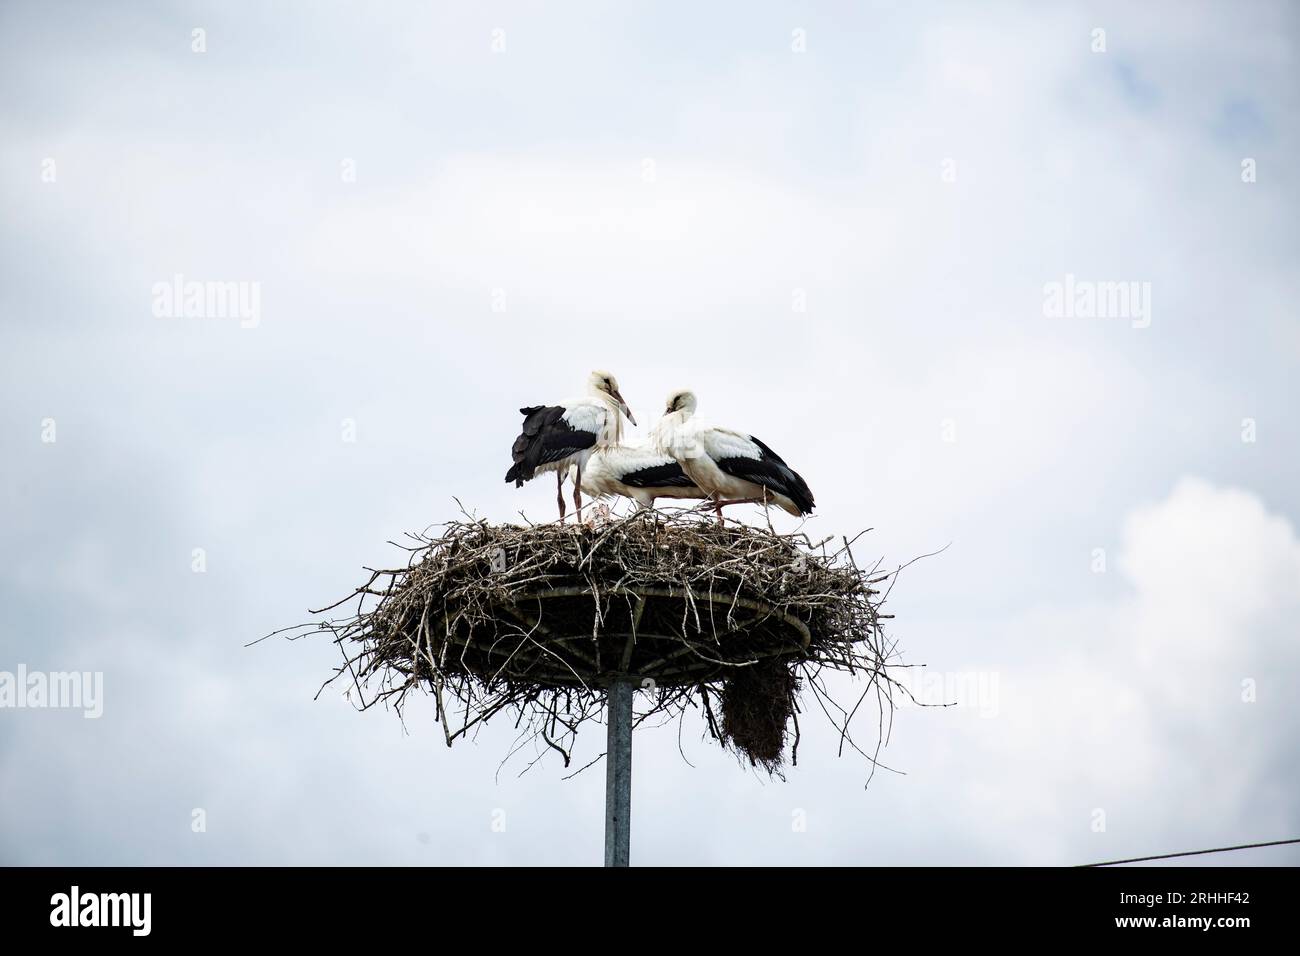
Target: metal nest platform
(651,636)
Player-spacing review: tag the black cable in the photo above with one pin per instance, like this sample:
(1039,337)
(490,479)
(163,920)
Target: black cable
(1170,856)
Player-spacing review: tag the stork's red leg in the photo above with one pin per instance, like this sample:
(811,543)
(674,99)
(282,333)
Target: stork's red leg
(577,494)
(559,492)
(719,504)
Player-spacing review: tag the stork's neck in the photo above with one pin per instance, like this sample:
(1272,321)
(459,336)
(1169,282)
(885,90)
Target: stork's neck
(615,428)
(607,398)
(664,433)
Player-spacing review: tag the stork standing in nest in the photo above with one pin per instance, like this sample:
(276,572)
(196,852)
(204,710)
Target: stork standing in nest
(557,437)
(731,467)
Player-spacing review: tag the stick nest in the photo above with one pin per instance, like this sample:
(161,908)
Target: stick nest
(736,622)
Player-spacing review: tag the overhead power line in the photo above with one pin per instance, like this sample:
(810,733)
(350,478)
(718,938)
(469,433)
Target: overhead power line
(1170,856)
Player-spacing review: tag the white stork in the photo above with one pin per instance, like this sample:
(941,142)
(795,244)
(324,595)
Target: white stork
(729,466)
(637,472)
(556,437)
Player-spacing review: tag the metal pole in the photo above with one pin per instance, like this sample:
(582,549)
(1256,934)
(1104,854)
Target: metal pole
(618,774)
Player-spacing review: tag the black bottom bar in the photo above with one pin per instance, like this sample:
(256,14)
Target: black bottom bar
(415,905)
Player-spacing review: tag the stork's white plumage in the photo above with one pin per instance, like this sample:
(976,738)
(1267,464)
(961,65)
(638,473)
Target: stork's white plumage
(730,466)
(557,437)
(637,472)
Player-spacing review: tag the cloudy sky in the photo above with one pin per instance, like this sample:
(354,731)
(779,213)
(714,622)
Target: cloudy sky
(841,224)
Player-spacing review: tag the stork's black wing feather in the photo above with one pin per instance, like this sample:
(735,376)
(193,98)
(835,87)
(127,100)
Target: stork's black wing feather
(546,438)
(772,473)
(658,476)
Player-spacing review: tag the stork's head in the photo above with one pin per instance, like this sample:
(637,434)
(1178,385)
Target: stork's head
(603,384)
(682,400)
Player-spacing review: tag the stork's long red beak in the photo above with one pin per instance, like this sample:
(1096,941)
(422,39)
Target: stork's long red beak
(623,407)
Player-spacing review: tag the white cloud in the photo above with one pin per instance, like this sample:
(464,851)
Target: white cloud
(1134,705)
